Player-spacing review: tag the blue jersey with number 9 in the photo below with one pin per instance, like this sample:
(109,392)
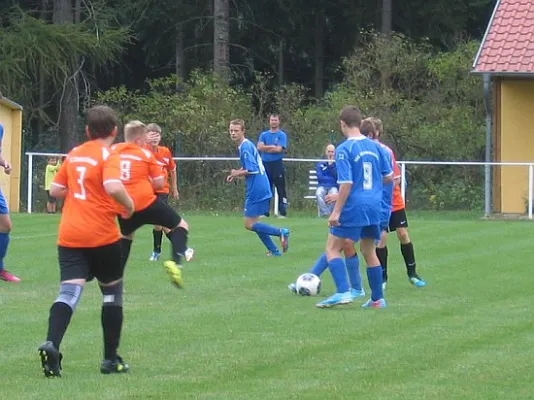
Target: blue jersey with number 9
(362,162)
(258,187)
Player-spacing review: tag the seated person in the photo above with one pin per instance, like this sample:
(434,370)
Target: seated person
(326,181)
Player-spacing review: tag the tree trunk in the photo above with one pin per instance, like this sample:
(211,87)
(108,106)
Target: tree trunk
(68,94)
(221,38)
(319,54)
(42,84)
(387,16)
(281,62)
(179,54)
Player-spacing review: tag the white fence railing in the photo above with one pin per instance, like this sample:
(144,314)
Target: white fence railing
(402,164)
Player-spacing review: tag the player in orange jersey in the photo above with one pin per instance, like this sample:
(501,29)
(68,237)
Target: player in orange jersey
(89,240)
(141,175)
(164,157)
(397,222)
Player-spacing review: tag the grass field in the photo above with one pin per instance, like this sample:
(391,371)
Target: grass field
(235,331)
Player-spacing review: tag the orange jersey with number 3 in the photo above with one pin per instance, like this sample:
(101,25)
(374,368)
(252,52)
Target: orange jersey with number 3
(138,168)
(397,202)
(89,214)
(164,157)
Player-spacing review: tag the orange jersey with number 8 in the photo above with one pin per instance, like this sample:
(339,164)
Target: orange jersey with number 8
(89,215)
(138,168)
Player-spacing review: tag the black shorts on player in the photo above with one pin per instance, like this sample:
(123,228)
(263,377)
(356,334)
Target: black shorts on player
(398,219)
(163,197)
(157,213)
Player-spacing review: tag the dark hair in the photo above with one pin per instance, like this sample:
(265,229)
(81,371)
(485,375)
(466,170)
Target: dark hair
(274,115)
(101,121)
(368,128)
(351,116)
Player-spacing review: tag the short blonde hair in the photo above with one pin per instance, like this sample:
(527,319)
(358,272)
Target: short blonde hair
(239,122)
(153,128)
(378,124)
(133,129)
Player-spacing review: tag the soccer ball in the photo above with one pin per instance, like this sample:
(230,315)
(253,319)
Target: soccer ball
(308,285)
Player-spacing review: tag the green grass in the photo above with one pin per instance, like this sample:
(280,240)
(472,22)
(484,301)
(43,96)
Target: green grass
(235,331)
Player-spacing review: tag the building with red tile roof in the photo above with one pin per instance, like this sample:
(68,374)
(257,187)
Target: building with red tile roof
(506,60)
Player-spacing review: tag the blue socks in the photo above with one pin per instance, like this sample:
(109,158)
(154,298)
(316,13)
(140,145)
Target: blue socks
(258,227)
(320,265)
(339,274)
(4,242)
(267,241)
(374,275)
(353,270)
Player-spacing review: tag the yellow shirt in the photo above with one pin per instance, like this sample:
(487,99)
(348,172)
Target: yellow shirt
(50,172)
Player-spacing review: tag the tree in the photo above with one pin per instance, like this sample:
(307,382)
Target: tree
(221,38)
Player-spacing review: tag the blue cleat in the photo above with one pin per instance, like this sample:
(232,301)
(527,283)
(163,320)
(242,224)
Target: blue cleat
(337,299)
(417,281)
(275,253)
(380,303)
(284,239)
(154,256)
(357,293)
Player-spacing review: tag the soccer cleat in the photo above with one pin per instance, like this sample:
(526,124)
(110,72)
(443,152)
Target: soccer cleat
(175,273)
(293,288)
(189,253)
(337,299)
(155,256)
(380,303)
(284,239)
(50,360)
(114,367)
(275,253)
(357,293)
(8,277)
(417,281)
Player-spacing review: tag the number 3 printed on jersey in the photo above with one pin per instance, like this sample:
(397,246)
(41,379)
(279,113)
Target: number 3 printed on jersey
(81,175)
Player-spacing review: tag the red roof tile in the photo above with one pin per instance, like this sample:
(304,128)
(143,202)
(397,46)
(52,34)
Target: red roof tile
(508,46)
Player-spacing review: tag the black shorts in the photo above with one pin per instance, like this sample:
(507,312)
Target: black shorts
(158,213)
(102,263)
(398,220)
(50,199)
(163,197)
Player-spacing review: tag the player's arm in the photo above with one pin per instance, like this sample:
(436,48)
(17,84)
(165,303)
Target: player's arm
(59,187)
(3,162)
(113,184)
(155,174)
(282,144)
(173,179)
(386,163)
(261,146)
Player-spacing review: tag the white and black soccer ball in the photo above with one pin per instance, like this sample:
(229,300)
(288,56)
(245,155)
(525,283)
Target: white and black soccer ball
(308,285)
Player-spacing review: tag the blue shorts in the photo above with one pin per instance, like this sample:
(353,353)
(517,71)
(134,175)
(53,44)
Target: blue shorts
(3,204)
(358,232)
(256,209)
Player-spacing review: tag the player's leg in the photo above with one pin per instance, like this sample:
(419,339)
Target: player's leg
(408,254)
(127,229)
(107,266)
(5,229)
(352,263)
(382,249)
(74,271)
(324,209)
(279,180)
(252,212)
(370,235)
(334,244)
(157,233)
(321,265)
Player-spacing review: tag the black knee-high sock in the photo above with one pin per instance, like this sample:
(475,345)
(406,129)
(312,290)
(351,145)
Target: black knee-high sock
(382,254)
(178,238)
(58,321)
(126,245)
(111,318)
(158,235)
(409,258)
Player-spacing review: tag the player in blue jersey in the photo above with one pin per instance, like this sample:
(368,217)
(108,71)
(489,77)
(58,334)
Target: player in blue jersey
(272,145)
(5,220)
(362,171)
(258,192)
